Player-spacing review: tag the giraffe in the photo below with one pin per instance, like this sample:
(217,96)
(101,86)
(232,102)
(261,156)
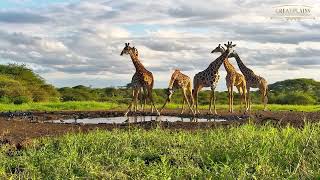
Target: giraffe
(141,79)
(209,78)
(252,80)
(140,93)
(233,78)
(179,80)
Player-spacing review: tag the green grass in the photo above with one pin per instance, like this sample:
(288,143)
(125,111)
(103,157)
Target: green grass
(246,152)
(91,105)
(58,106)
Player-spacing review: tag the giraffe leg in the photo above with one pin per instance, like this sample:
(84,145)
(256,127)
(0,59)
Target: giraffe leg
(189,93)
(196,94)
(182,109)
(141,99)
(186,99)
(244,94)
(144,101)
(241,95)
(210,103)
(144,98)
(152,105)
(135,105)
(132,101)
(165,103)
(131,107)
(197,101)
(214,102)
(151,99)
(248,99)
(264,98)
(136,101)
(213,98)
(231,98)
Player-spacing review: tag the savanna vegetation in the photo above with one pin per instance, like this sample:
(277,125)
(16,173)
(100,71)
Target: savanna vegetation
(19,84)
(246,152)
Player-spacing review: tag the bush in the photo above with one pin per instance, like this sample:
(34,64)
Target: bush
(21,100)
(5,100)
(295,98)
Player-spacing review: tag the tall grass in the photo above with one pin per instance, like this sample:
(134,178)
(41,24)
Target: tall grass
(246,152)
(92,105)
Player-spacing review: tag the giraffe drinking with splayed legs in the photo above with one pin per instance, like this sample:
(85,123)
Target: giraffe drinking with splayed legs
(141,79)
(253,81)
(209,78)
(179,80)
(233,78)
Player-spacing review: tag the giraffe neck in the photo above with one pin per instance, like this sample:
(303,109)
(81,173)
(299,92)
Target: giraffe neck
(215,65)
(228,66)
(172,80)
(171,83)
(243,68)
(137,64)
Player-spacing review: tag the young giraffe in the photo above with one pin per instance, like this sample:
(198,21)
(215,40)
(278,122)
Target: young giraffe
(179,80)
(141,79)
(209,78)
(233,78)
(253,81)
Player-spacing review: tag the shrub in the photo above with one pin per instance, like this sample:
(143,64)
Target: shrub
(295,98)
(21,100)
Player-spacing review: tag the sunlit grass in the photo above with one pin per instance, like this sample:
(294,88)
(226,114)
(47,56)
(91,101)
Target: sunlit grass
(246,152)
(58,106)
(92,105)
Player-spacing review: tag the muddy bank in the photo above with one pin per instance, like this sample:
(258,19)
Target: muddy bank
(18,128)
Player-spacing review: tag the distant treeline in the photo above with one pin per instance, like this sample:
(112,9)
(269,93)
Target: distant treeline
(18,85)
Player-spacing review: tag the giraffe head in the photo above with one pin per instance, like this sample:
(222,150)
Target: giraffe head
(135,50)
(169,93)
(218,49)
(233,54)
(127,49)
(170,90)
(229,47)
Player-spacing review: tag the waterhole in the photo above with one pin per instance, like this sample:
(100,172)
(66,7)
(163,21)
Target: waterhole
(132,119)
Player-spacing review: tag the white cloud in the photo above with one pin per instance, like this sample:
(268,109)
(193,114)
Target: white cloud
(80,43)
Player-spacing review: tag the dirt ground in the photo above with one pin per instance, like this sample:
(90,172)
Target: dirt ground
(19,127)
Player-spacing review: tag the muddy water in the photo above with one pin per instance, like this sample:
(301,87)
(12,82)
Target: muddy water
(131,119)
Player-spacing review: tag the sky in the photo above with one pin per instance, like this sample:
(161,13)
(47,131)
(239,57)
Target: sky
(72,42)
